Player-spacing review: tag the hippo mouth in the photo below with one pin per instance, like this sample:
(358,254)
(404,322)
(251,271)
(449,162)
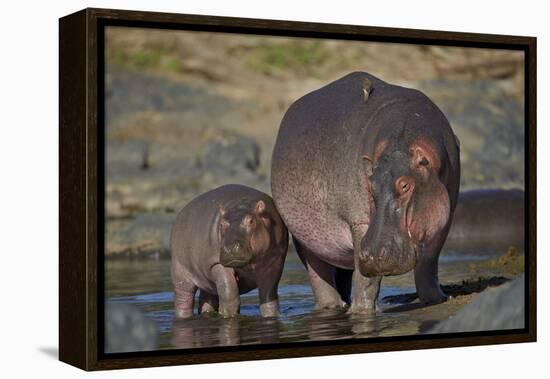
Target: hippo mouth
(235,263)
(394,257)
(390,246)
(388,261)
(236,256)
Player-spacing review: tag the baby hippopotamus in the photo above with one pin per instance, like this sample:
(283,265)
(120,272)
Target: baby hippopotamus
(226,242)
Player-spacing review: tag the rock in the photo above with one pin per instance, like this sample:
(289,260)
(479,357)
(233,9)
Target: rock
(491,127)
(127,329)
(160,162)
(231,155)
(148,161)
(129,91)
(148,234)
(494,309)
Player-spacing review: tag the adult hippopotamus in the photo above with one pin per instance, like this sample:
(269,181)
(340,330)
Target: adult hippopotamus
(366,175)
(226,242)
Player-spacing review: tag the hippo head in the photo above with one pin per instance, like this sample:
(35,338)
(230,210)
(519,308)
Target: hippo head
(243,232)
(411,207)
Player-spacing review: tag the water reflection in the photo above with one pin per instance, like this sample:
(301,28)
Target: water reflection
(146,285)
(213,330)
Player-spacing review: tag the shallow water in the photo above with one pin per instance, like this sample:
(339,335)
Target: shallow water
(146,284)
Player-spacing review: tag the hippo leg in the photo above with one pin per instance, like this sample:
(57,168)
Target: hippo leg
(269,302)
(365,293)
(425,273)
(343,284)
(322,279)
(207,302)
(365,289)
(267,280)
(228,290)
(184,298)
(427,282)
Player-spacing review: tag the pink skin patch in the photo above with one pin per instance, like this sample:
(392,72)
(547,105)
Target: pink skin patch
(336,250)
(432,210)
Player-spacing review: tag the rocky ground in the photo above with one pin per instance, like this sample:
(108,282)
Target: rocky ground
(491,297)
(187,112)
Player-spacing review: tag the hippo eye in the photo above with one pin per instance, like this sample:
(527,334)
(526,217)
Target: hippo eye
(249,221)
(402,185)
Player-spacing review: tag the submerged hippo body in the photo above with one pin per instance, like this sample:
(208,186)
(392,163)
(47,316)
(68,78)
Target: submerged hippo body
(226,242)
(488,218)
(365,175)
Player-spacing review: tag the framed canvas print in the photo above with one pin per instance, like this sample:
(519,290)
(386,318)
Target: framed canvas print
(237,189)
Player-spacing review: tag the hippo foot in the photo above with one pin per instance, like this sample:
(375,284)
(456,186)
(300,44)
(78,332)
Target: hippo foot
(432,297)
(229,310)
(436,299)
(228,316)
(427,284)
(331,305)
(270,309)
(184,313)
(361,310)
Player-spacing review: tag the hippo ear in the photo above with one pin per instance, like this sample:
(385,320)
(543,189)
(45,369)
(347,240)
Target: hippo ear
(260,207)
(424,159)
(367,89)
(420,158)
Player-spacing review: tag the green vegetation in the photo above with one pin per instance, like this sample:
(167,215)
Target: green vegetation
(304,57)
(512,263)
(270,57)
(140,59)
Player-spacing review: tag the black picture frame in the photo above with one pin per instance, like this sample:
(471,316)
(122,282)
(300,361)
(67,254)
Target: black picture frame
(81,182)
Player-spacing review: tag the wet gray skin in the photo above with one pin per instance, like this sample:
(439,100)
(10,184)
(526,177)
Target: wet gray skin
(413,190)
(365,175)
(387,248)
(227,242)
(411,214)
(237,226)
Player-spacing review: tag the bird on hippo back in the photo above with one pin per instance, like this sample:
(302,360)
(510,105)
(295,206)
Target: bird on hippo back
(365,175)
